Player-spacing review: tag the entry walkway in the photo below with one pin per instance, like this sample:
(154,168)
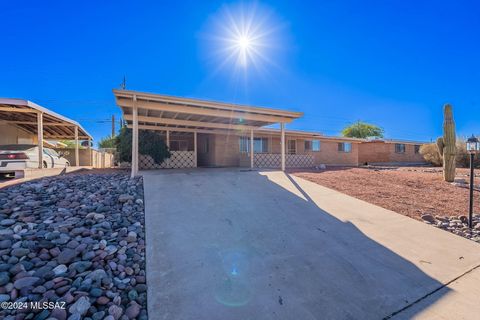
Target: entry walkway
(233,244)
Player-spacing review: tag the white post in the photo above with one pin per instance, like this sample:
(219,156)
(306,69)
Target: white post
(168,139)
(282,129)
(77,151)
(135,138)
(40,139)
(90,155)
(251,148)
(195,146)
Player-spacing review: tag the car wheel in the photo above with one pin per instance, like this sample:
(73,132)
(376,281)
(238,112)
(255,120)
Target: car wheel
(44,164)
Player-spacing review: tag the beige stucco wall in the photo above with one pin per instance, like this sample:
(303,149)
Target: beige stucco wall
(384,152)
(12,135)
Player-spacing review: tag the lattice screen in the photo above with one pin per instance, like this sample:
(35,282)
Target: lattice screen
(178,159)
(273,160)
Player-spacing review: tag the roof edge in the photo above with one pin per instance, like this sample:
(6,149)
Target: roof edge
(207,103)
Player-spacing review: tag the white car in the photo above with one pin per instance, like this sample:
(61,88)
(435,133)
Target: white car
(17,157)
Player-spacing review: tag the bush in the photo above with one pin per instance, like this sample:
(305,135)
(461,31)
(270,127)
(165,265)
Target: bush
(107,142)
(149,143)
(463,157)
(430,154)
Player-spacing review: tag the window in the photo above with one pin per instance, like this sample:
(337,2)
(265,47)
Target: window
(417,149)
(292,146)
(312,145)
(260,145)
(345,147)
(178,145)
(399,148)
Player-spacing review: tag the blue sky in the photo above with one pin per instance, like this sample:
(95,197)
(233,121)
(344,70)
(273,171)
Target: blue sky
(392,63)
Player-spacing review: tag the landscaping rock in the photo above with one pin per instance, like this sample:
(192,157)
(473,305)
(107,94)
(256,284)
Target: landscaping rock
(77,238)
(25,282)
(60,269)
(457,225)
(66,256)
(80,307)
(428,218)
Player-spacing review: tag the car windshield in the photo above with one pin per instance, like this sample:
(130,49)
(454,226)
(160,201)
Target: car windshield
(17,147)
(52,152)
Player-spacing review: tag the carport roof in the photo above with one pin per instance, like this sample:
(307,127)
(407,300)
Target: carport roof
(161,112)
(23,114)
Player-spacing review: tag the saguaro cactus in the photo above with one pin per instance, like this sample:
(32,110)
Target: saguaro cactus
(446,144)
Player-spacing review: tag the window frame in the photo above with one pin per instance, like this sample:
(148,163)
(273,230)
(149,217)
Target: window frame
(294,144)
(416,148)
(399,150)
(245,142)
(179,144)
(311,148)
(343,149)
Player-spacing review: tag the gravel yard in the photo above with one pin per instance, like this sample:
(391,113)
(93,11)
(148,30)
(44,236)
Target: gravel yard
(417,192)
(78,239)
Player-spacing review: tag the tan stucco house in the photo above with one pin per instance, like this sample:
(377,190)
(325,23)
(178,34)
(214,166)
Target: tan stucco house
(203,133)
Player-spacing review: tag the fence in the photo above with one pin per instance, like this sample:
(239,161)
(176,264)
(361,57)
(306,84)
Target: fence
(99,159)
(178,159)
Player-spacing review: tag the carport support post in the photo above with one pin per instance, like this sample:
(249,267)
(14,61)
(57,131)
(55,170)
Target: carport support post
(135,138)
(40,139)
(168,138)
(195,146)
(90,155)
(282,129)
(251,148)
(77,154)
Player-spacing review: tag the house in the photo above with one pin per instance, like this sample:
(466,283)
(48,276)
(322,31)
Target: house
(203,133)
(380,151)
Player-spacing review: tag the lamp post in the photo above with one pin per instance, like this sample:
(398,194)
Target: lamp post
(473,147)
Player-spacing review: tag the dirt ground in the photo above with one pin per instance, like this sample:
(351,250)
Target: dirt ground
(412,191)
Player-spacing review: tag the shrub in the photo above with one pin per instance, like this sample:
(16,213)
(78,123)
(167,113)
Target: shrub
(107,142)
(463,157)
(149,143)
(430,154)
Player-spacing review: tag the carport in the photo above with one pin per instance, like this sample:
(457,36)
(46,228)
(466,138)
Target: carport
(46,124)
(183,115)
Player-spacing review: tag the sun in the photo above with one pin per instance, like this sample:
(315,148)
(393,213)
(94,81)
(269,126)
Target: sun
(244,35)
(244,42)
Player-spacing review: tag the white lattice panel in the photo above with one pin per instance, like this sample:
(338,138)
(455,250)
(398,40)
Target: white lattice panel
(273,160)
(178,159)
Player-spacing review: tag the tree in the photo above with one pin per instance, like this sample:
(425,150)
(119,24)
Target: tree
(149,143)
(68,143)
(362,130)
(107,142)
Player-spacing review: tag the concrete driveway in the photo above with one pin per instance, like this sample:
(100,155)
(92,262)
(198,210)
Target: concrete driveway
(233,244)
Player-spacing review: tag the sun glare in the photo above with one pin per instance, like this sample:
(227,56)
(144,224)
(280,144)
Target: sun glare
(243,42)
(244,36)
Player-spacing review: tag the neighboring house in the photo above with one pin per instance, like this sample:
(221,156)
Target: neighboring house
(381,151)
(25,122)
(203,133)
